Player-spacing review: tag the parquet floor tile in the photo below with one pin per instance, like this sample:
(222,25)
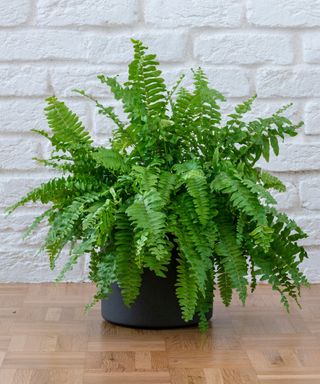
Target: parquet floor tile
(46,338)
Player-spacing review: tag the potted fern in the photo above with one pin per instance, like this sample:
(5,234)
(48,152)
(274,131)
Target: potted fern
(174,207)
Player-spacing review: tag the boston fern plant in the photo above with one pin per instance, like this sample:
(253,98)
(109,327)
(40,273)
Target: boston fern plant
(175,182)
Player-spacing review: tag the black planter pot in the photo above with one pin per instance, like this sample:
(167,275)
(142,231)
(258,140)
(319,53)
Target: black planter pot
(156,307)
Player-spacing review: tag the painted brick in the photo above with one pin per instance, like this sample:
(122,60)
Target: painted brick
(21,115)
(14,12)
(310,224)
(88,46)
(273,82)
(243,48)
(285,13)
(87,12)
(17,153)
(23,80)
(312,118)
(289,199)
(13,188)
(311,47)
(117,48)
(24,265)
(310,266)
(213,13)
(230,81)
(12,239)
(18,222)
(13,227)
(67,78)
(295,157)
(43,45)
(310,194)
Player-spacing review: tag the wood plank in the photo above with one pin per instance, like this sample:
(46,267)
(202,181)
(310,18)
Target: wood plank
(45,337)
(44,360)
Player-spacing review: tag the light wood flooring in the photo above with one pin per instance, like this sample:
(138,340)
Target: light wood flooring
(45,338)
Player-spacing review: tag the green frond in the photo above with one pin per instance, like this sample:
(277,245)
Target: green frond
(68,131)
(166,185)
(110,113)
(189,221)
(186,290)
(37,221)
(205,101)
(145,86)
(44,193)
(109,159)
(259,191)
(102,109)
(146,178)
(64,226)
(240,196)
(201,85)
(100,220)
(225,285)
(125,260)
(241,228)
(181,115)
(263,236)
(234,262)
(199,263)
(244,107)
(57,165)
(75,253)
(197,188)
(61,230)
(269,181)
(150,222)
(104,277)
(174,89)
(253,275)
(205,303)
(115,87)
(41,132)
(59,189)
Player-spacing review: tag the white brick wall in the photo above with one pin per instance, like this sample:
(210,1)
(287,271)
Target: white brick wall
(244,48)
(193,13)
(14,12)
(87,12)
(284,13)
(271,47)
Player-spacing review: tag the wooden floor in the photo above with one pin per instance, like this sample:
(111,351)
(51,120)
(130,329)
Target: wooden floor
(45,338)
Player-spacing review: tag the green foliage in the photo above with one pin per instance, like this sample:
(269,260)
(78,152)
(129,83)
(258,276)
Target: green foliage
(186,290)
(127,270)
(231,255)
(68,132)
(176,182)
(109,159)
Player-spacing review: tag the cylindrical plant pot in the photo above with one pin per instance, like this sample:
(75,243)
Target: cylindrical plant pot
(156,307)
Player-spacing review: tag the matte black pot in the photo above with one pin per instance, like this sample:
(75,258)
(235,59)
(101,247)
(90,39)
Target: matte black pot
(156,307)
